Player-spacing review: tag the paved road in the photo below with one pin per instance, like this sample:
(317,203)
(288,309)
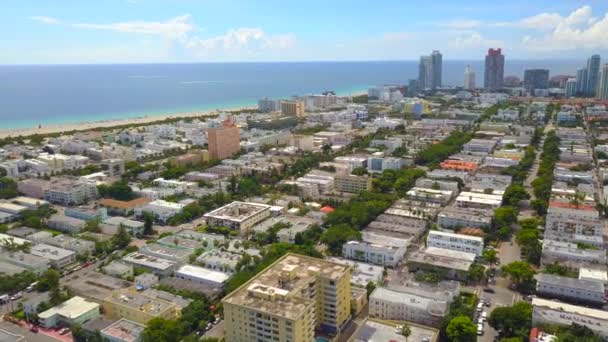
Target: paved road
(29,336)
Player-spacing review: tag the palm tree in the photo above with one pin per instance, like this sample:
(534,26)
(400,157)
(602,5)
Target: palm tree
(405,331)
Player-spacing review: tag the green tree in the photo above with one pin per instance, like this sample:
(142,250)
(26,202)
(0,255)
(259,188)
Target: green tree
(148,223)
(514,194)
(476,273)
(505,216)
(461,329)
(335,236)
(8,187)
(119,190)
(370,287)
(92,226)
(359,171)
(160,329)
(121,239)
(520,272)
(490,255)
(405,331)
(514,321)
(49,281)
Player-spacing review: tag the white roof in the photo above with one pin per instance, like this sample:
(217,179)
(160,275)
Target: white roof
(72,308)
(454,235)
(563,307)
(589,273)
(203,273)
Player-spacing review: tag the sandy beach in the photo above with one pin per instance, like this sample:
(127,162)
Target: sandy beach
(90,125)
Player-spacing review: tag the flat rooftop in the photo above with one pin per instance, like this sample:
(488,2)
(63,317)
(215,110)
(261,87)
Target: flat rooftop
(96,286)
(374,331)
(286,302)
(50,252)
(569,308)
(444,258)
(164,251)
(148,261)
(575,283)
(237,211)
(139,301)
(203,273)
(124,330)
(72,308)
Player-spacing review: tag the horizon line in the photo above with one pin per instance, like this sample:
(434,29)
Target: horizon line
(274,62)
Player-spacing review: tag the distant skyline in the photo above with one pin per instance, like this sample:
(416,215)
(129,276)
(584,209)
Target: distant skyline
(154,31)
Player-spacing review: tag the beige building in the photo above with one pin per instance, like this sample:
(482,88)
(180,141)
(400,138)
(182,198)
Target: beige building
(193,157)
(351,183)
(224,141)
(289,300)
(138,307)
(295,108)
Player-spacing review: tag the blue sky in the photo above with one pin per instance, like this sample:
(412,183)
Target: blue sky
(133,31)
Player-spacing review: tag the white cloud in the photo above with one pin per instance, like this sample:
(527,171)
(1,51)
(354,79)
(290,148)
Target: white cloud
(242,40)
(578,30)
(460,24)
(176,28)
(44,19)
(471,40)
(180,32)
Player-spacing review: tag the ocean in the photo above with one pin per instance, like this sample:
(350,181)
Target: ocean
(60,94)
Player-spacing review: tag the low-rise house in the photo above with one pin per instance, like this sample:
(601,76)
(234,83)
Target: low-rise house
(453,218)
(123,208)
(57,256)
(35,264)
(578,290)
(478,200)
(123,331)
(239,216)
(553,312)
(158,266)
(159,251)
(75,310)
(569,255)
(201,275)
(222,261)
(79,246)
(66,224)
(111,225)
(138,307)
(387,304)
(162,210)
(455,242)
(451,264)
(118,269)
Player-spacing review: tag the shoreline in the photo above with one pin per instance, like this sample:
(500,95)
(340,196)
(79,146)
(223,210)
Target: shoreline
(109,123)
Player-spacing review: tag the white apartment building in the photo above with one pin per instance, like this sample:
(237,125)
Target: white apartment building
(162,210)
(569,255)
(371,251)
(455,242)
(574,226)
(202,275)
(437,183)
(552,312)
(478,200)
(239,216)
(58,257)
(584,290)
(388,304)
(70,192)
(451,218)
(430,195)
(480,145)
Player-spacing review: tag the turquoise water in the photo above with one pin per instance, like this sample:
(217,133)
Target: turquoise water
(56,94)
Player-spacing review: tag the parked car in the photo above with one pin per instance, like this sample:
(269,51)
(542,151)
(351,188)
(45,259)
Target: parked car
(489,290)
(63,331)
(34,329)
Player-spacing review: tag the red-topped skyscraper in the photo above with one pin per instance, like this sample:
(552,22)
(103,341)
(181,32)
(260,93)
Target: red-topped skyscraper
(495,70)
